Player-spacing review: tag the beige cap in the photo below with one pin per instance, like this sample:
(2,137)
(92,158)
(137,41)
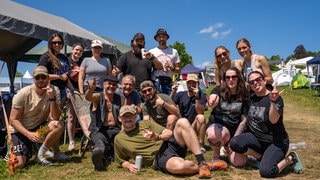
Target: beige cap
(96,43)
(192,77)
(40,70)
(127,109)
(146,84)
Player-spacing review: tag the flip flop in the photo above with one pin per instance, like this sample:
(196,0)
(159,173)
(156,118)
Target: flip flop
(297,166)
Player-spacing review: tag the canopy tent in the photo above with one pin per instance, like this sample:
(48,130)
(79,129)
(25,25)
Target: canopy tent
(302,62)
(190,69)
(22,28)
(316,63)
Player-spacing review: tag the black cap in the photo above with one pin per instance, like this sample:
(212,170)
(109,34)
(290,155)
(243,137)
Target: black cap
(138,35)
(161,31)
(111,78)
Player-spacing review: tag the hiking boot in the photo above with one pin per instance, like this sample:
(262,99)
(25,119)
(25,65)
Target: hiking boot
(202,148)
(217,164)
(297,166)
(204,171)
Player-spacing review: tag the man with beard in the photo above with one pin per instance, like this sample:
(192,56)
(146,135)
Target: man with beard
(104,124)
(158,107)
(170,60)
(136,64)
(31,108)
(192,104)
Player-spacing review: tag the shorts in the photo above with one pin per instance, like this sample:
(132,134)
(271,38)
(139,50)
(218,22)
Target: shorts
(63,94)
(22,146)
(169,149)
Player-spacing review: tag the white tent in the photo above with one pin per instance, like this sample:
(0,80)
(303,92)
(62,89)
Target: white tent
(302,62)
(27,75)
(284,76)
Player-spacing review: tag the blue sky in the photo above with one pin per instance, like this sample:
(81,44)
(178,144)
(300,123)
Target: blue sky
(274,27)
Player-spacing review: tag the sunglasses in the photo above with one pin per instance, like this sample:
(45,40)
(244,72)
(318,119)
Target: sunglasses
(43,77)
(231,77)
(222,54)
(258,79)
(146,90)
(56,42)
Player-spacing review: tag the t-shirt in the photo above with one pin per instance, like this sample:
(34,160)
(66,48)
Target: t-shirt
(259,123)
(44,61)
(141,69)
(72,65)
(98,69)
(160,113)
(129,144)
(168,55)
(35,108)
(187,105)
(228,113)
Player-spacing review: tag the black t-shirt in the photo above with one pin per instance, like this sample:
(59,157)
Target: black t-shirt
(44,61)
(228,113)
(72,65)
(259,124)
(130,63)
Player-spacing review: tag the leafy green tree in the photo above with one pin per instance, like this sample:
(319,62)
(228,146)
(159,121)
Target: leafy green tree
(185,58)
(19,74)
(300,52)
(275,57)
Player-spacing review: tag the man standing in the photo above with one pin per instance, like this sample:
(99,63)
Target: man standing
(192,104)
(164,148)
(35,106)
(134,63)
(104,120)
(170,60)
(158,107)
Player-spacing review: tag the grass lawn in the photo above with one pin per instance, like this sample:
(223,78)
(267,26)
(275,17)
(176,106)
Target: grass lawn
(302,112)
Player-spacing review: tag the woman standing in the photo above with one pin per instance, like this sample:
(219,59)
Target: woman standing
(57,65)
(94,67)
(222,62)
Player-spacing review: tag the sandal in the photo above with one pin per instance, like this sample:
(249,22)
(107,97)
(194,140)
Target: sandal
(297,166)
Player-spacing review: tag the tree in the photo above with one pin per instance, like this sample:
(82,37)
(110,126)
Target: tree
(275,57)
(300,52)
(185,58)
(19,74)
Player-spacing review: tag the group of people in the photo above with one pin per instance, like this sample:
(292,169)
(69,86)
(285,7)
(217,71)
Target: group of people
(143,114)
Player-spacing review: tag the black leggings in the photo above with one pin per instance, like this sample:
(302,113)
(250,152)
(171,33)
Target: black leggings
(272,154)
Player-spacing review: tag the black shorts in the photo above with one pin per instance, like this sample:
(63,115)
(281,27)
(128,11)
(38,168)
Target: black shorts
(22,145)
(169,149)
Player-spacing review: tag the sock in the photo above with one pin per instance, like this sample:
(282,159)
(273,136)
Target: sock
(200,158)
(43,149)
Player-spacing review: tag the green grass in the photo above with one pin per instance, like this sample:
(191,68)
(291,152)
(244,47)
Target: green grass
(302,123)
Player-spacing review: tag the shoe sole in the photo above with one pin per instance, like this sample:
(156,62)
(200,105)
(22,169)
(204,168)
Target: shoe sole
(297,167)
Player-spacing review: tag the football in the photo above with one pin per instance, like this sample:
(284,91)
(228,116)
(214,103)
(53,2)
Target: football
(74,74)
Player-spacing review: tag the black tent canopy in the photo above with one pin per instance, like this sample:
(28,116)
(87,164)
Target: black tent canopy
(22,28)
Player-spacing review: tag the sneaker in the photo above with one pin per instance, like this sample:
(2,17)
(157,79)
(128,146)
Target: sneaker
(297,165)
(61,157)
(202,148)
(204,171)
(44,162)
(217,164)
(253,162)
(71,147)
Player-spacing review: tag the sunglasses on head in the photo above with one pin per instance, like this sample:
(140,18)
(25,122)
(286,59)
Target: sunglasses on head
(43,77)
(258,79)
(56,42)
(146,90)
(231,77)
(222,54)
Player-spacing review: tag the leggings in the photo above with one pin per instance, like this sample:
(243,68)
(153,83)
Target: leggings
(272,153)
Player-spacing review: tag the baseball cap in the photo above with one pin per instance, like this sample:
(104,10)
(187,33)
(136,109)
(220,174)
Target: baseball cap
(40,70)
(146,84)
(96,43)
(192,77)
(161,31)
(138,35)
(127,109)
(111,78)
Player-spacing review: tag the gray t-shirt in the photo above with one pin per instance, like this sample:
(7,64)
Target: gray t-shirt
(98,69)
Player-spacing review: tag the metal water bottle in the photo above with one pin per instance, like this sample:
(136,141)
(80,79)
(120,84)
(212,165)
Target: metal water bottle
(248,70)
(138,161)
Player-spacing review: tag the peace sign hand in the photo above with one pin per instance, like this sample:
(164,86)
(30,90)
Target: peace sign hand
(49,90)
(92,84)
(275,94)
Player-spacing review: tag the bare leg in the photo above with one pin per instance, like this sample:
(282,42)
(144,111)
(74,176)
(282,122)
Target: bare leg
(200,127)
(52,139)
(177,165)
(171,121)
(218,136)
(71,125)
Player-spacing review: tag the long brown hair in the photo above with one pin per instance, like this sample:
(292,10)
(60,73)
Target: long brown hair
(53,56)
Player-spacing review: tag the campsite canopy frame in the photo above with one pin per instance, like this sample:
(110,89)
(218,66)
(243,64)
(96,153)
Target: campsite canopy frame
(315,61)
(22,28)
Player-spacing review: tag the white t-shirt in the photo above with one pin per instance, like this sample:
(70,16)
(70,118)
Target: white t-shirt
(168,55)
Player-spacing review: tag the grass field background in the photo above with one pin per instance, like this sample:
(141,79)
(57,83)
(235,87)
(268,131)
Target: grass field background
(301,118)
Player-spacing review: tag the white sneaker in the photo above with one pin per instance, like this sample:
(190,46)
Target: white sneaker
(71,147)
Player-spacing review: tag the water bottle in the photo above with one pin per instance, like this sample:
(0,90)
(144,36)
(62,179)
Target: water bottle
(138,161)
(248,70)
(294,146)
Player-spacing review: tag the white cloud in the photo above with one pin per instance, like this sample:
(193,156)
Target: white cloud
(216,31)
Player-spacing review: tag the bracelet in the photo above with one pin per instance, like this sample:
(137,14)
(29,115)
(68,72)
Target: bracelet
(52,99)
